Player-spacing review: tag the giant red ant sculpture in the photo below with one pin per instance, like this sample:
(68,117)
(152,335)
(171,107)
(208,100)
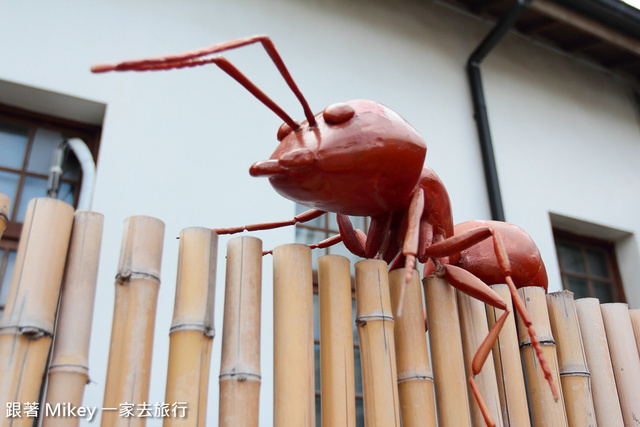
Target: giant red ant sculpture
(361,158)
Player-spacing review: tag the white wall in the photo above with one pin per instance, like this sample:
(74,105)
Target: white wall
(567,138)
(177,145)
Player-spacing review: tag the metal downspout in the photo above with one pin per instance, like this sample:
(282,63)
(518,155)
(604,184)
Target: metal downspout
(480,108)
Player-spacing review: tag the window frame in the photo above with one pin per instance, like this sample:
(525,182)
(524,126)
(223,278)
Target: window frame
(586,242)
(90,134)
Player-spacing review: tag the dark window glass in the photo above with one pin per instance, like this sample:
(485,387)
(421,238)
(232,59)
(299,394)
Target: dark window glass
(588,267)
(28,142)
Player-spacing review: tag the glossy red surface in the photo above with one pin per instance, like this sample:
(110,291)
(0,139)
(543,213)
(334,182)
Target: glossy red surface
(526,262)
(365,161)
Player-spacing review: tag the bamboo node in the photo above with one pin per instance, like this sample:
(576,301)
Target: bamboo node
(74,369)
(363,319)
(29,332)
(240,377)
(416,377)
(567,373)
(125,276)
(206,330)
(527,342)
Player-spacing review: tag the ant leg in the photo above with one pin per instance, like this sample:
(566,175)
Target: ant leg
(484,410)
(411,240)
(191,58)
(454,245)
(333,240)
(378,234)
(354,240)
(306,216)
(505,266)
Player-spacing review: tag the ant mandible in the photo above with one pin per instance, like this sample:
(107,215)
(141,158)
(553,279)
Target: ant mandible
(361,158)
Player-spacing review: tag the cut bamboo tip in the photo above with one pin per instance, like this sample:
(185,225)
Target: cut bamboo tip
(545,398)
(415,378)
(137,286)
(375,323)
(27,325)
(452,400)
(196,281)
(69,370)
(293,359)
(507,363)
(35,287)
(337,381)
(575,378)
(141,250)
(240,361)
(624,358)
(603,384)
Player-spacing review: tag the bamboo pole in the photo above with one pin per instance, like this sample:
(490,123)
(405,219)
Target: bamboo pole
(336,342)
(635,321)
(596,347)
(572,362)
(544,410)
(137,285)
(415,378)
(506,351)
(192,330)
(27,326)
(4,212)
(452,401)
(474,329)
(293,364)
(240,366)
(69,370)
(374,319)
(624,359)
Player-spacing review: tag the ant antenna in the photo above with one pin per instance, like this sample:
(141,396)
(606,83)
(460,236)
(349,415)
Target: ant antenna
(194,58)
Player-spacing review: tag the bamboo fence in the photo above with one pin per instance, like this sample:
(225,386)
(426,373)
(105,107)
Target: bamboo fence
(137,286)
(375,322)
(415,378)
(192,329)
(508,368)
(575,378)
(446,353)
(69,369)
(603,384)
(544,410)
(27,325)
(240,376)
(337,382)
(293,359)
(624,359)
(409,377)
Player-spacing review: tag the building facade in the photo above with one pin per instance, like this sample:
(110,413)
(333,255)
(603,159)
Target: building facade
(178,145)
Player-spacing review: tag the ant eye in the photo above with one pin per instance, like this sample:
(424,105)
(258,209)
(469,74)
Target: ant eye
(336,114)
(283,131)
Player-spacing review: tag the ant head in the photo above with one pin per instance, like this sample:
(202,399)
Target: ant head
(359,158)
